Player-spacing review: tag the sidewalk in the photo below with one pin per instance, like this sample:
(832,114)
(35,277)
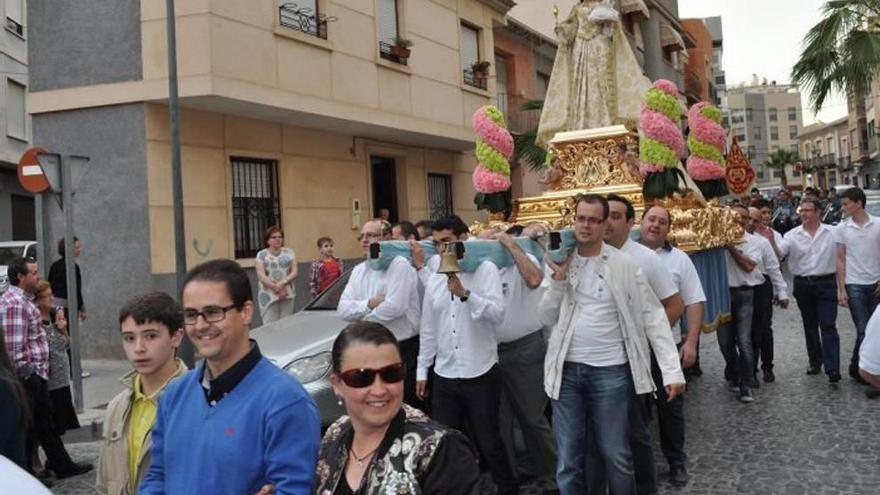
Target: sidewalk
(98,390)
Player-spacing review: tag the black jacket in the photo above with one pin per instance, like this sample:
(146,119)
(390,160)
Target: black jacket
(58,280)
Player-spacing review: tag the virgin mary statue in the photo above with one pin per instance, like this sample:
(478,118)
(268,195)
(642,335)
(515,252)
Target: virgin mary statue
(596,79)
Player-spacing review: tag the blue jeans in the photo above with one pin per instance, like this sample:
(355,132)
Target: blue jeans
(817,301)
(735,338)
(862,303)
(599,396)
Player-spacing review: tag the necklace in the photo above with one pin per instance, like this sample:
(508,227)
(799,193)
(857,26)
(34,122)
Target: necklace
(360,459)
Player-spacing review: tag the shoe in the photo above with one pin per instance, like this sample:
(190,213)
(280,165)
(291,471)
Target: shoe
(833,377)
(755,382)
(814,370)
(42,474)
(745,397)
(46,482)
(769,377)
(74,470)
(872,393)
(678,476)
(85,374)
(733,386)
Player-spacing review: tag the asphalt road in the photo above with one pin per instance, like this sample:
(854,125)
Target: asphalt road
(801,436)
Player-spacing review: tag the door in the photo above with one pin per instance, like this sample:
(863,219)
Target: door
(24,220)
(384,178)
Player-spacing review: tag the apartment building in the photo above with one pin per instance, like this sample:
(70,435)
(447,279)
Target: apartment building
(765,117)
(303,116)
(825,159)
(698,75)
(16,204)
(718,82)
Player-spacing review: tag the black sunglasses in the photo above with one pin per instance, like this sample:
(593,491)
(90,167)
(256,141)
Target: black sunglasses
(364,377)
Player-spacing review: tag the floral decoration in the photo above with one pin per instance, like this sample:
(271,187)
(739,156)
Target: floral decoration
(706,144)
(494,148)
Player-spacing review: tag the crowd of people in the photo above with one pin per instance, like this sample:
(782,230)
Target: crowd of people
(436,369)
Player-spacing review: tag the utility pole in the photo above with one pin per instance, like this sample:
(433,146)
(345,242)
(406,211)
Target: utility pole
(186,350)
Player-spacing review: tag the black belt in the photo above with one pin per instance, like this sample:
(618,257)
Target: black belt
(815,278)
(743,287)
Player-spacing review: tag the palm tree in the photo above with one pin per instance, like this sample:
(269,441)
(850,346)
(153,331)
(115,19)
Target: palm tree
(525,149)
(778,160)
(841,52)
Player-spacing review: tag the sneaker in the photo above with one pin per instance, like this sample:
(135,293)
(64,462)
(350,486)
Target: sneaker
(769,377)
(678,476)
(833,377)
(733,385)
(745,396)
(85,374)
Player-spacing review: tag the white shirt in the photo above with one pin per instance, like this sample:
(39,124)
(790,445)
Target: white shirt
(862,250)
(597,339)
(684,276)
(657,276)
(520,304)
(14,479)
(736,276)
(399,312)
(869,352)
(768,264)
(457,337)
(810,256)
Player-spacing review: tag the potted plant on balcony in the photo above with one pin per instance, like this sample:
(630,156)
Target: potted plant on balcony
(480,70)
(401,47)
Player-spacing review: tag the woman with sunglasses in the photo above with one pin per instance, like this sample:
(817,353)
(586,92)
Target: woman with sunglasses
(383,445)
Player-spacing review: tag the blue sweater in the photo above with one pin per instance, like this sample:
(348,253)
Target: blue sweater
(265,431)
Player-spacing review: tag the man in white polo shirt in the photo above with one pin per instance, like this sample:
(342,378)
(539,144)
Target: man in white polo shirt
(670,414)
(812,259)
(869,354)
(858,265)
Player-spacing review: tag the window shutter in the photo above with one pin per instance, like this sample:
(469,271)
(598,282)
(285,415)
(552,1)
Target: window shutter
(16,123)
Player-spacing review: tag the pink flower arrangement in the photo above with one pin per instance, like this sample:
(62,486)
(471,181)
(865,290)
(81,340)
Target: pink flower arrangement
(492,134)
(702,169)
(666,86)
(704,128)
(657,126)
(488,182)
(649,168)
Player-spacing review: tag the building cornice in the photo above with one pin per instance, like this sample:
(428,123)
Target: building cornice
(502,6)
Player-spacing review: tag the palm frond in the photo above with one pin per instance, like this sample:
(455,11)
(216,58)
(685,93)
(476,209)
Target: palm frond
(532,105)
(525,150)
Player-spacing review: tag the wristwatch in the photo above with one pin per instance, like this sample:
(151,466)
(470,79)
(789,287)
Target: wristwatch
(467,294)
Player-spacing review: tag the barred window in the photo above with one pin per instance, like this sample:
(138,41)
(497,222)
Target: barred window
(439,195)
(255,204)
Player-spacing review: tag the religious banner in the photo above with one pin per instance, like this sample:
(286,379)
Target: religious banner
(739,173)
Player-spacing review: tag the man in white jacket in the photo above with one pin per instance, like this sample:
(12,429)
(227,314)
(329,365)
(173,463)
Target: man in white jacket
(603,315)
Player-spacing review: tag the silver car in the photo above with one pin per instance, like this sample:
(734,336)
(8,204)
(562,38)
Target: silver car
(300,344)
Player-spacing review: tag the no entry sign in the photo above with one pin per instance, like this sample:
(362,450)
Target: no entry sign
(30,173)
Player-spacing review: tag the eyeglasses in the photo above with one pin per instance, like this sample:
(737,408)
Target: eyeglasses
(211,314)
(364,377)
(368,236)
(589,220)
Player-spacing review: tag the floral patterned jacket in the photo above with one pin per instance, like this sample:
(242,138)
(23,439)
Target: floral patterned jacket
(417,456)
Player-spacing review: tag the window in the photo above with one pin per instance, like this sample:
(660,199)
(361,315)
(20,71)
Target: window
(793,148)
(830,145)
(16,119)
(302,15)
(439,195)
(740,134)
(756,133)
(792,132)
(542,82)
(501,96)
(15,16)
(772,115)
(792,113)
(255,205)
(774,133)
(749,114)
(737,117)
(750,151)
(470,55)
(386,17)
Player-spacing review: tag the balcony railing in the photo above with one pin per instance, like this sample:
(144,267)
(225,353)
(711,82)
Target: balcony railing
(472,80)
(304,20)
(385,52)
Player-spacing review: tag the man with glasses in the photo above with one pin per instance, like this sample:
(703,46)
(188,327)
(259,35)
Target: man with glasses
(812,259)
(237,422)
(389,297)
(604,314)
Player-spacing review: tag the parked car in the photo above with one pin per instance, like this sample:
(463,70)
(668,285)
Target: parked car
(300,344)
(10,250)
(872,205)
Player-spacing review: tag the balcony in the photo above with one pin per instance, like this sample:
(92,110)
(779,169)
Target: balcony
(386,53)
(471,79)
(519,121)
(693,86)
(302,19)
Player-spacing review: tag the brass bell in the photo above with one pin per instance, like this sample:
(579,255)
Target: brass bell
(449,259)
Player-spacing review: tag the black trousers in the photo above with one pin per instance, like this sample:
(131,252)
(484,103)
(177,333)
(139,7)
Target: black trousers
(762,331)
(409,351)
(471,404)
(42,430)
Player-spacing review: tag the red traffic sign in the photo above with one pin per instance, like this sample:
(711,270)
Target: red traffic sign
(30,173)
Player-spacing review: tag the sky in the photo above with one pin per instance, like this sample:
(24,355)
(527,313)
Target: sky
(764,37)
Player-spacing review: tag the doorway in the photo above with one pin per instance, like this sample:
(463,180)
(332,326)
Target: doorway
(384,178)
(24,220)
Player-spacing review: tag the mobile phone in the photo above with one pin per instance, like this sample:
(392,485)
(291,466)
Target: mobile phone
(374,251)
(459,250)
(555,240)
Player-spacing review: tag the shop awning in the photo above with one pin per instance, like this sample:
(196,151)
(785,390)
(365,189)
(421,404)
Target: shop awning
(670,37)
(634,7)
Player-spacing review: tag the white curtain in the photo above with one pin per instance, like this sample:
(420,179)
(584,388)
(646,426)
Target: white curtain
(470,47)
(386,16)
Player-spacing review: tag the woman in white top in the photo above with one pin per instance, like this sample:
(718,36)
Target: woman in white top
(276,271)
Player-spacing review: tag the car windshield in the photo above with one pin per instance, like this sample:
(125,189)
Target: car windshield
(9,253)
(329,299)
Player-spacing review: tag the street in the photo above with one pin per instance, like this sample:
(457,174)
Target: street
(800,436)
